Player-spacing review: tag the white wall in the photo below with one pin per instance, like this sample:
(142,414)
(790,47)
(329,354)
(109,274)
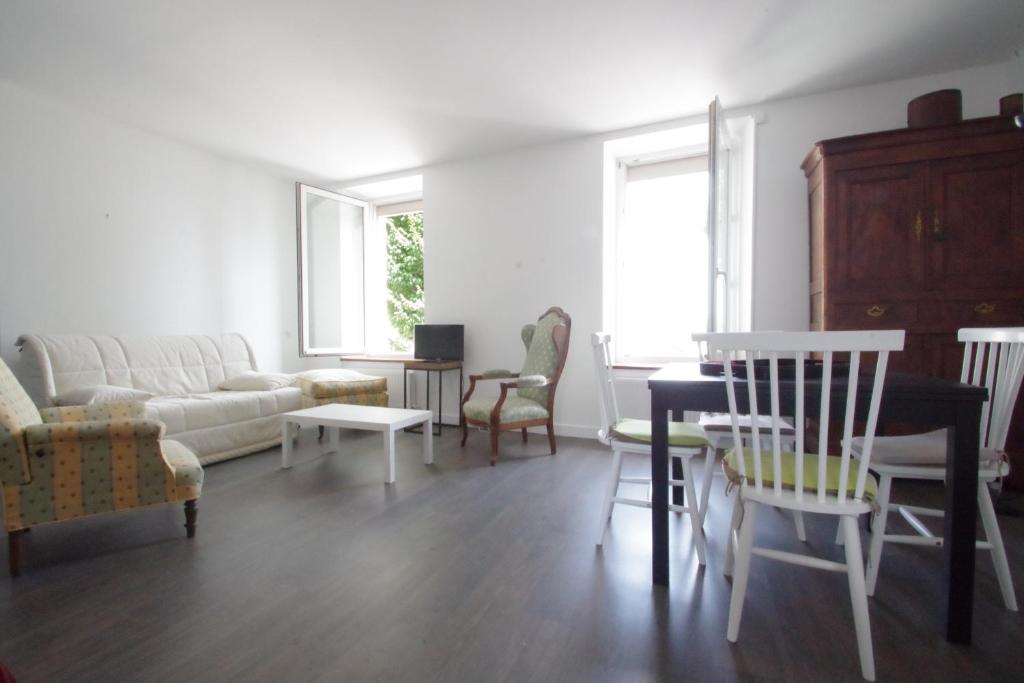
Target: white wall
(506,236)
(108,230)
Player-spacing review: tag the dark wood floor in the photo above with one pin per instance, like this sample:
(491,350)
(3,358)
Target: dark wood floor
(459,572)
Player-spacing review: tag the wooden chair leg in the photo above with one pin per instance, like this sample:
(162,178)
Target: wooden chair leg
(524,434)
(14,551)
(191,512)
(494,446)
(465,428)
(551,437)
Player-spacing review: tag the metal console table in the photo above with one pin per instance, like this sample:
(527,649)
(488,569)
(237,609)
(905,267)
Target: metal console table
(429,366)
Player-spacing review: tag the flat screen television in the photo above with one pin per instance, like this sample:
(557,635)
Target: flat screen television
(438,342)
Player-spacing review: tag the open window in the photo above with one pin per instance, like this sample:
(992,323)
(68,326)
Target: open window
(677,239)
(332,312)
(360,267)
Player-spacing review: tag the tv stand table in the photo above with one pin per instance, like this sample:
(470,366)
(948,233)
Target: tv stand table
(429,366)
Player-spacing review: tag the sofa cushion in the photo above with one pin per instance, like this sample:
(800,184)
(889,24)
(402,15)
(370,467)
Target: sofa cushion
(204,410)
(160,365)
(257,381)
(102,393)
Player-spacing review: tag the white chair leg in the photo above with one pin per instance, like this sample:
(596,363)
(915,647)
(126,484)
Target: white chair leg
(801,530)
(609,496)
(737,515)
(710,455)
(839,533)
(1002,567)
(694,512)
(858,596)
(741,569)
(878,531)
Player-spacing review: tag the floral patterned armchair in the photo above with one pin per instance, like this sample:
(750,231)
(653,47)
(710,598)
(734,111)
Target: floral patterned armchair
(64,463)
(547,345)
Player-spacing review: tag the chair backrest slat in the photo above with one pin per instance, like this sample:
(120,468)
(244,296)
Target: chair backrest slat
(801,345)
(994,358)
(799,379)
(601,342)
(851,400)
(823,421)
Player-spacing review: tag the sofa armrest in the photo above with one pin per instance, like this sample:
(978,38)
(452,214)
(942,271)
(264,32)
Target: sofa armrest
(125,410)
(42,437)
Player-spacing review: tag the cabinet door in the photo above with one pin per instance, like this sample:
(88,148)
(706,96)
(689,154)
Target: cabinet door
(879,225)
(976,231)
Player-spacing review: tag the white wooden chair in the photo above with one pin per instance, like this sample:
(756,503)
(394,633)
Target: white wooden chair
(626,435)
(718,427)
(795,480)
(993,358)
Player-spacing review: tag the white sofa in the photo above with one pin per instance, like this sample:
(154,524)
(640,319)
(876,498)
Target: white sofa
(182,373)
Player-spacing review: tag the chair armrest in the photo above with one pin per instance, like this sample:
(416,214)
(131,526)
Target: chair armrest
(528,381)
(124,410)
(494,374)
(44,436)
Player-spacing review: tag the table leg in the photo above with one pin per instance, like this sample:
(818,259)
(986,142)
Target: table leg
(428,442)
(959,535)
(678,492)
(659,493)
(389,454)
(334,440)
(286,444)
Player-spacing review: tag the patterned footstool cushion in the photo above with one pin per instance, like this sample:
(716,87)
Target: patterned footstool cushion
(320,387)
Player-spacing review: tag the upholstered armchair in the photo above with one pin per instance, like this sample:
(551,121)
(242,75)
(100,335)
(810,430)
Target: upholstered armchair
(547,344)
(64,463)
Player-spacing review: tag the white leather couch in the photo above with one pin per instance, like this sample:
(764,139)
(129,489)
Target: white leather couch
(182,373)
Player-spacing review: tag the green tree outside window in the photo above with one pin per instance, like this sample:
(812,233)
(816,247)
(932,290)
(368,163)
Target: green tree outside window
(405,277)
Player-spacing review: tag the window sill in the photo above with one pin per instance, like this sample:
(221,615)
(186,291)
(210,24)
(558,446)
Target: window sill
(371,358)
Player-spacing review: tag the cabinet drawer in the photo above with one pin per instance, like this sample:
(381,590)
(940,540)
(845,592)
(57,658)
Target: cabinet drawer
(873,315)
(968,312)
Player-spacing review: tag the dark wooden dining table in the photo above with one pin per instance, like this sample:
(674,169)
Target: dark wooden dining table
(920,400)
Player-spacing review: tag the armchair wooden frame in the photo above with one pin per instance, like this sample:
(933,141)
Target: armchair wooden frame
(560,337)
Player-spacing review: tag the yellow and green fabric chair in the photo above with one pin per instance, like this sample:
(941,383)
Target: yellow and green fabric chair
(64,463)
(547,345)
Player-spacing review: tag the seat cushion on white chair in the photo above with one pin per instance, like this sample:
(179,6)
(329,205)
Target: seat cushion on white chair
(683,434)
(514,409)
(722,422)
(832,467)
(928,449)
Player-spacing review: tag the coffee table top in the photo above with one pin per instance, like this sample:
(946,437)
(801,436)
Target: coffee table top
(357,417)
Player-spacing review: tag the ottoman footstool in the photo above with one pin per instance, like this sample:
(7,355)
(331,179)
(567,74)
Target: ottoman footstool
(323,387)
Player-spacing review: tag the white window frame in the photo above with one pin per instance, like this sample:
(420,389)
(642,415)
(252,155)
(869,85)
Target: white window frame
(734,263)
(301,192)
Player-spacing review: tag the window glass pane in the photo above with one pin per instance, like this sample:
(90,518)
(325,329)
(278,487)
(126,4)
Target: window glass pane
(404,278)
(334,260)
(662,274)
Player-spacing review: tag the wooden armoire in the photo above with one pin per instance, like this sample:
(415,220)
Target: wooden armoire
(921,229)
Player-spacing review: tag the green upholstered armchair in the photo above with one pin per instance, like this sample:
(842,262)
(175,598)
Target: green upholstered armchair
(547,344)
(65,463)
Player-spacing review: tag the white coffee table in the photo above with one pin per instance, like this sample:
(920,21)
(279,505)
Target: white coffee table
(334,416)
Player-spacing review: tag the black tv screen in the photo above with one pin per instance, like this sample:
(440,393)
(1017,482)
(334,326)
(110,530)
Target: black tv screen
(438,342)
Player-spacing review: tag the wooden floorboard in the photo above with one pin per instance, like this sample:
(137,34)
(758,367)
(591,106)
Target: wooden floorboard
(461,572)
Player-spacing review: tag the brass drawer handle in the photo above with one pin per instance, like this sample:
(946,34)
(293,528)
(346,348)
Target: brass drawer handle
(918,227)
(938,232)
(984,309)
(876,311)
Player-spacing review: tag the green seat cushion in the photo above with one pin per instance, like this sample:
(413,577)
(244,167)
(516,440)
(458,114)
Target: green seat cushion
(514,409)
(832,466)
(685,434)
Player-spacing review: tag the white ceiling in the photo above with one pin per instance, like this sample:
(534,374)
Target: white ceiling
(321,89)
